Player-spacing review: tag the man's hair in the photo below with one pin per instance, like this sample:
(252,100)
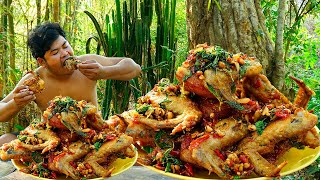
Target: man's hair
(42,37)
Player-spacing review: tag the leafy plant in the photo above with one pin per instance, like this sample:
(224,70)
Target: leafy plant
(127,33)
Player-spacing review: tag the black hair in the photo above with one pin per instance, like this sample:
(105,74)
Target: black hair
(42,37)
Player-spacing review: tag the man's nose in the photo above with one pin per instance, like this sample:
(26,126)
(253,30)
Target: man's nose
(64,53)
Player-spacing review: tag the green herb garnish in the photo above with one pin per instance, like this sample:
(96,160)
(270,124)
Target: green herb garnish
(97,145)
(147,149)
(168,159)
(235,105)
(159,140)
(260,125)
(36,157)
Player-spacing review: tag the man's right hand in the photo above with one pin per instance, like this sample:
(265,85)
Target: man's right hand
(23,96)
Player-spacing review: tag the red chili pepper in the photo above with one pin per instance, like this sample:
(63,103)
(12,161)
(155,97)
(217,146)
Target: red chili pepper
(186,142)
(53,175)
(189,169)
(243,158)
(230,163)
(219,154)
(195,143)
(73,164)
(282,113)
(215,135)
(257,83)
(45,165)
(276,96)
(56,159)
(175,153)
(159,166)
(110,137)
(88,166)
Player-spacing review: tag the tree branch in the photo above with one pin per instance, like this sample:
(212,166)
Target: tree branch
(277,78)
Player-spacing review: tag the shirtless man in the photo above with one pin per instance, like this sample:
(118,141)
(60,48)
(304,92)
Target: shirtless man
(50,48)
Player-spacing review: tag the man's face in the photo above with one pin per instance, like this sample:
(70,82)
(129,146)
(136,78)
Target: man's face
(59,51)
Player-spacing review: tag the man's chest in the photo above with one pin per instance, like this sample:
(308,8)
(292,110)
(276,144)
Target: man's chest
(76,90)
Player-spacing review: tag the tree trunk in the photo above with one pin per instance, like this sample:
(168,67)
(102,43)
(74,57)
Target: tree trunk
(47,13)
(38,11)
(3,45)
(11,40)
(238,26)
(278,73)
(56,10)
(67,19)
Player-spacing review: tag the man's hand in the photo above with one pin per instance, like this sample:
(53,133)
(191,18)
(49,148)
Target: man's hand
(92,69)
(23,96)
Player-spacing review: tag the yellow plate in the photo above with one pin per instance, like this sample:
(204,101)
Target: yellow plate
(120,165)
(297,160)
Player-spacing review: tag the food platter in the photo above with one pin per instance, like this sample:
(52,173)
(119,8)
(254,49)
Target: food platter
(120,166)
(297,160)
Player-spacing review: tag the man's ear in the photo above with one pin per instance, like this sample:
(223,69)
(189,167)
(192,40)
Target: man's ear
(41,61)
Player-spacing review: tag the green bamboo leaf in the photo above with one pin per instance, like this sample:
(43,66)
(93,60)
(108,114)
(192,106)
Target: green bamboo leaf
(88,43)
(98,29)
(106,103)
(118,23)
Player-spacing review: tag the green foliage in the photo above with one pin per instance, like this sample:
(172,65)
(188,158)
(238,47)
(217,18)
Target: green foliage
(303,64)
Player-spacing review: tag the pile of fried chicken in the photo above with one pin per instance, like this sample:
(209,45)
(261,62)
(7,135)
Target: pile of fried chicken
(73,140)
(224,116)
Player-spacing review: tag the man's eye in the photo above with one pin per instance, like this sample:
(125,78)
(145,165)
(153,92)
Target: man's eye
(55,52)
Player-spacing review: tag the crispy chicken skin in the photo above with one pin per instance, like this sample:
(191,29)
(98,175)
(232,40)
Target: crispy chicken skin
(71,63)
(11,150)
(61,163)
(35,83)
(261,166)
(298,123)
(211,72)
(73,140)
(213,109)
(260,88)
(117,145)
(227,132)
(304,94)
(165,107)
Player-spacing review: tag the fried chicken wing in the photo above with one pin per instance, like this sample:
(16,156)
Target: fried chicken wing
(34,139)
(118,145)
(35,83)
(206,149)
(299,122)
(260,87)
(11,150)
(63,162)
(284,129)
(71,63)
(304,94)
(165,107)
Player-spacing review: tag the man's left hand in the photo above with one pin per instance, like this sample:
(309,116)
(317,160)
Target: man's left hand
(92,69)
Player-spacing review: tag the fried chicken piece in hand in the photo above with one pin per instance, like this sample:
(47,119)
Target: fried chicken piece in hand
(71,63)
(35,83)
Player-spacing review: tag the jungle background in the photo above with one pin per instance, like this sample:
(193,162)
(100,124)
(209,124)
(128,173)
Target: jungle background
(157,34)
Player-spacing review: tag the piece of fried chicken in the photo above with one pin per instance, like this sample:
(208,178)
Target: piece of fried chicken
(71,63)
(35,83)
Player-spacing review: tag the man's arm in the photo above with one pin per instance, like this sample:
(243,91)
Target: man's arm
(15,101)
(99,67)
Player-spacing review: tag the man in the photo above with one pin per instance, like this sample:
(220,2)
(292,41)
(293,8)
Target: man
(50,48)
